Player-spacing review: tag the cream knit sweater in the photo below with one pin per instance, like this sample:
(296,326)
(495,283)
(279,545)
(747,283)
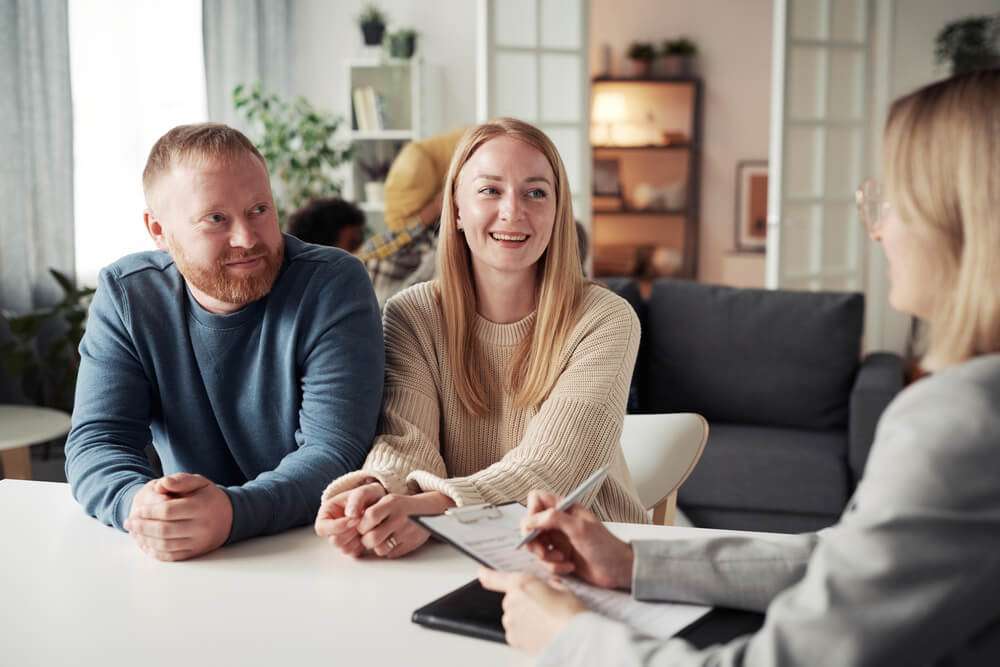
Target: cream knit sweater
(428,442)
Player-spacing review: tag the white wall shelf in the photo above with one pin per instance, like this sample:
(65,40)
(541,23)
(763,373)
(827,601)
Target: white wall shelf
(408,106)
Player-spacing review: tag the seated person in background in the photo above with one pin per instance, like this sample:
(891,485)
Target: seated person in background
(508,372)
(331,222)
(404,255)
(252,360)
(911,573)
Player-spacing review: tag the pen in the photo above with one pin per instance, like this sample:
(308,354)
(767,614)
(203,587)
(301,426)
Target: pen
(573,497)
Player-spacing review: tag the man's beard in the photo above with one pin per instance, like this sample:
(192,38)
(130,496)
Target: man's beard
(215,280)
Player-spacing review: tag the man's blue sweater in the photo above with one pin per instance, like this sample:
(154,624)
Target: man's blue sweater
(270,402)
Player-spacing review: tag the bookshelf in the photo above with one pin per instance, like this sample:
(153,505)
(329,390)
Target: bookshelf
(389,103)
(646,145)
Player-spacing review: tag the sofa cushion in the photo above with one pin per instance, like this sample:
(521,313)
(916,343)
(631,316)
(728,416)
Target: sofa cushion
(768,357)
(770,469)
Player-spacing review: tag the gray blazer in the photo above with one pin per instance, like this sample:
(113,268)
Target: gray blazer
(909,576)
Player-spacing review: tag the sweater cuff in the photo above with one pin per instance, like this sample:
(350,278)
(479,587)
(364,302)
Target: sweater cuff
(123,506)
(460,489)
(249,513)
(392,482)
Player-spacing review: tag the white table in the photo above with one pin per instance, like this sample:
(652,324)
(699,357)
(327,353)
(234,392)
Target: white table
(22,426)
(74,592)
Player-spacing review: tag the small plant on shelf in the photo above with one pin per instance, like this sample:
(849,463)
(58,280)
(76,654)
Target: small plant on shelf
(372,21)
(375,172)
(402,43)
(640,57)
(677,57)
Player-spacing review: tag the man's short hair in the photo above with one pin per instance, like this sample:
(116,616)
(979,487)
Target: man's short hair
(321,220)
(200,141)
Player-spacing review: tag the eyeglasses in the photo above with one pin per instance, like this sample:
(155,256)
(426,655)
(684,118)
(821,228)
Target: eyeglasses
(873,207)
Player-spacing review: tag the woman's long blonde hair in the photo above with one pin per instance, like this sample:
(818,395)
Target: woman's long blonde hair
(942,158)
(534,368)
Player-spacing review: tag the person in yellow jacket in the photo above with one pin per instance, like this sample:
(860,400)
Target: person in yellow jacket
(405,253)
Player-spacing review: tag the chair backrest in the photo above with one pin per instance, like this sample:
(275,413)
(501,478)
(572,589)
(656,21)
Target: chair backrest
(661,451)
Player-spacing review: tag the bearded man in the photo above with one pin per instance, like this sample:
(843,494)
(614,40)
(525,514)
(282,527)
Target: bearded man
(252,362)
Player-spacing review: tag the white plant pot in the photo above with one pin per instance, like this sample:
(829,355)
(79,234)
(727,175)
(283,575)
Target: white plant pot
(375,192)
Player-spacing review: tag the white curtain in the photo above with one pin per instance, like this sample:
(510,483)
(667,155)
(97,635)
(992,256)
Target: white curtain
(245,41)
(36,145)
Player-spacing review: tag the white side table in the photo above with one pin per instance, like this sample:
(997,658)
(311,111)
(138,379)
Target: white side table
(22,426)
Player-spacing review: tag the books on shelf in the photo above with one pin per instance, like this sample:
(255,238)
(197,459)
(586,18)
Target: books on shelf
(369,109)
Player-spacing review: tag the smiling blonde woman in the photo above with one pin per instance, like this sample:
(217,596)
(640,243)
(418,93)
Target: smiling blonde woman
(507,373)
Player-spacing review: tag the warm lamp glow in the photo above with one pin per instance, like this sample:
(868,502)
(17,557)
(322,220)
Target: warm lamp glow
(609,108)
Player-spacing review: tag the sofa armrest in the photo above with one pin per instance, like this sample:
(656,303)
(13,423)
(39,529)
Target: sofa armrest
(879,379)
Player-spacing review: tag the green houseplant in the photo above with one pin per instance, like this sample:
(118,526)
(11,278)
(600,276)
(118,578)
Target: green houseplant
(677,57)
(372,21)
(969,44)
(402,43)
(298,143)
(640,57)
(41,353)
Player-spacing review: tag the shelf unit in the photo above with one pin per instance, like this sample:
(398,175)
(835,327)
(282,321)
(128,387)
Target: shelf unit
(410,100)
(655,142)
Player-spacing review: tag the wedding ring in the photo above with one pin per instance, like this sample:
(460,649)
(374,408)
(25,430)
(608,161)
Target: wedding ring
(391,543)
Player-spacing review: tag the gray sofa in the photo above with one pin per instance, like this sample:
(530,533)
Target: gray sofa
(791,404)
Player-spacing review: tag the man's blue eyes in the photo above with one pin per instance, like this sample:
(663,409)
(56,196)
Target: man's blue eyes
(218,218)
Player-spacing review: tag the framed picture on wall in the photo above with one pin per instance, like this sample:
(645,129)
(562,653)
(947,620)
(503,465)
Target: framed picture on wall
(751,206)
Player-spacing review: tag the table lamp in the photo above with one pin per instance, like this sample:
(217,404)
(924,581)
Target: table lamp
(609,108)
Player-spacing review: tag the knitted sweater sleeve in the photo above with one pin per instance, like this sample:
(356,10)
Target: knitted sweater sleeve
(411,414)
(576,429)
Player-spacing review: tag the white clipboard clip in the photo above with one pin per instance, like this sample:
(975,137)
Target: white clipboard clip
(473,513)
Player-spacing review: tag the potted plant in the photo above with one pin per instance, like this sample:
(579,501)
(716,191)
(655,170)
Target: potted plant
(375,171)
(372,22)
(402,43)
(297,141)
(969,44)
(677,57)
(39,352)
(640,58)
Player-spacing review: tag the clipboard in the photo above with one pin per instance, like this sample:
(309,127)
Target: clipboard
(468,515)
(469,610)
(473,611)
(488,534)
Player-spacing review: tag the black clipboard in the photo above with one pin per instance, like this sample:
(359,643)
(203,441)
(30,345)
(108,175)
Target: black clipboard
(469,610)
(473,611)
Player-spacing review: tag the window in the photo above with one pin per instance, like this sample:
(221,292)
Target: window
(137,70)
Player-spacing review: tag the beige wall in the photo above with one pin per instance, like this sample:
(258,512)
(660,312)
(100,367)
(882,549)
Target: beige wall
(734,39)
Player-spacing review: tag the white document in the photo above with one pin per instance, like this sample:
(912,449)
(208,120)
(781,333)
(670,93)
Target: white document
(490,534)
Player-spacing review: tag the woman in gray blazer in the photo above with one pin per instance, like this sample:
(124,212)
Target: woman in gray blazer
(910,575)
